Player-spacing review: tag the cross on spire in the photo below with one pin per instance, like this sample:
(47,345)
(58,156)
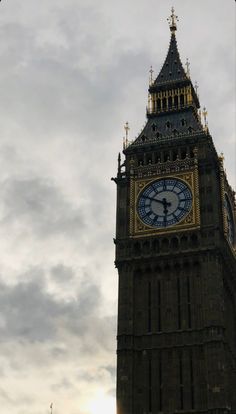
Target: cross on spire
(173,19)
(127,128)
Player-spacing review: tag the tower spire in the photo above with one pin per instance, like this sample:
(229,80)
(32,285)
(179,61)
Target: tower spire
(173,19)
(173,103)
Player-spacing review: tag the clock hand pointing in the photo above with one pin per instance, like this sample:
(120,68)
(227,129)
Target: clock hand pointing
(165,205)
(163,201)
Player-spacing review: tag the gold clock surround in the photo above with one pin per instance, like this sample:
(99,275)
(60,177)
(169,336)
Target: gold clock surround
(191,220)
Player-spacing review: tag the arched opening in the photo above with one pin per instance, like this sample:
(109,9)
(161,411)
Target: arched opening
(196,268)
(184,242)
(194,240)
(148,271)
(186,267)
(137,249)
(138,273)
(166,156)
(165,245)
(177,268)
(156,246)
(164,104)
(146,247)
(157,157)
(176,101)
(174,155)
(174,243)
(182,100)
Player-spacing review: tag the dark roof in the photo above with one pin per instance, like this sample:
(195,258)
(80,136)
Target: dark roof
(172,70)
(171,122)
(176,124)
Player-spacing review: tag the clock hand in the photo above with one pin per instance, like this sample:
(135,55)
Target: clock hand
(165,205)
(165,210)
(163,201)
(154,199)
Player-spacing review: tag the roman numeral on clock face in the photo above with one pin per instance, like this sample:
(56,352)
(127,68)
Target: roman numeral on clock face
(160,203)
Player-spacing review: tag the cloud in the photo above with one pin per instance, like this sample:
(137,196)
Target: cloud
(36,205)
(30,313)
(62,274)
(59,343)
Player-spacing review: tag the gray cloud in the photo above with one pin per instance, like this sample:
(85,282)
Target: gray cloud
(28,313)
(41,206)
(32,314)
(62,273)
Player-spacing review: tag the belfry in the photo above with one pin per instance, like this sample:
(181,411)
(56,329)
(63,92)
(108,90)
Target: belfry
(176,260)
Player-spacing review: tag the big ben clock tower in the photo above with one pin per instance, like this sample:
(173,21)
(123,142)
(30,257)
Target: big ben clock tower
(175,255)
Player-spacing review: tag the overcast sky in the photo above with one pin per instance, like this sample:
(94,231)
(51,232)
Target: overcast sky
(72,73)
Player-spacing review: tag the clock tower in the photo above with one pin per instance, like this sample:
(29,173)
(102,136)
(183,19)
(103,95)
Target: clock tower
(175,255)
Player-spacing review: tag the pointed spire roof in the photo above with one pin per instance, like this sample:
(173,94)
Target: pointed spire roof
(173,103)
(172,69)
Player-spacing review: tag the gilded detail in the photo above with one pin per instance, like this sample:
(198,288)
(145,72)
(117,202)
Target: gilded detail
(138,228)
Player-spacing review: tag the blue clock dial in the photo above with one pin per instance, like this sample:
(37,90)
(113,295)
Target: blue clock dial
(164,202)
(230,220)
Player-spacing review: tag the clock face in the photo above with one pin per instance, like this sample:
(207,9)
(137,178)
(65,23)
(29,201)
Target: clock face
(164,202)
(230,220)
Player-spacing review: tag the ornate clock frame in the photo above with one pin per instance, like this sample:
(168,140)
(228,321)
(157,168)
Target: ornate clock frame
(186,171)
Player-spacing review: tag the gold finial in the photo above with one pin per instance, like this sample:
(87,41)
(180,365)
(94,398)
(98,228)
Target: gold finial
(200,115)
(173,19)
(150,104)
(151,71)
(221,157)
(187,64)
(126,138)
(204,113)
